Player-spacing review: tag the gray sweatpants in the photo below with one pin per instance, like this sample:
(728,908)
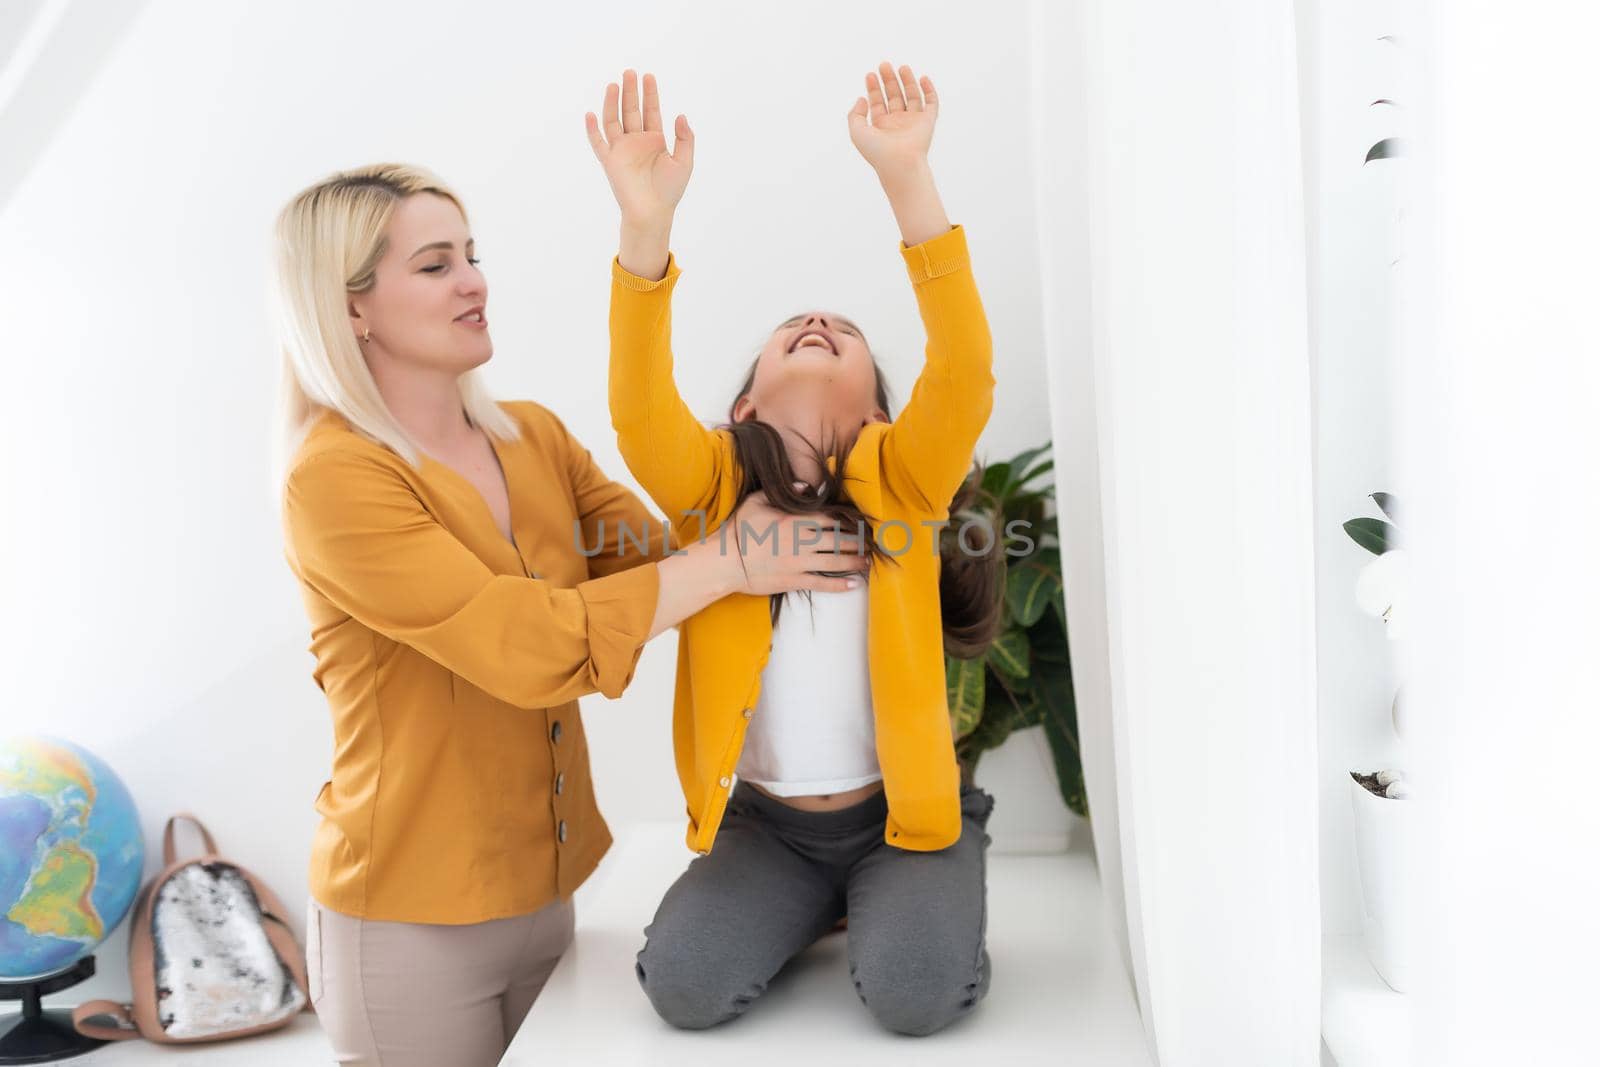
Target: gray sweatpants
(779,878)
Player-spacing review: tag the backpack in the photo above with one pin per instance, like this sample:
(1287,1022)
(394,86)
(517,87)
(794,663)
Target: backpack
(210,956)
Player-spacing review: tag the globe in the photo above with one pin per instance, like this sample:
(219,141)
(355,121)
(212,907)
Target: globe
(71,855)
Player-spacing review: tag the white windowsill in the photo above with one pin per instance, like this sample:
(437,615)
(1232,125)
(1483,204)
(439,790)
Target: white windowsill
(1364,1022)
(1059,994)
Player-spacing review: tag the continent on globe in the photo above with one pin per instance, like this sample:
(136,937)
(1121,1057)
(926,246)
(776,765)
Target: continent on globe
(71,855)
(57,900)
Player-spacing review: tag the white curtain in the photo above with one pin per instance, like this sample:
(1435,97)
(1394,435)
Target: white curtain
(1173,253)
(1500,440)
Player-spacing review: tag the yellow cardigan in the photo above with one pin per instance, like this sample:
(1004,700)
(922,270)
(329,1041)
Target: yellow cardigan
(902,476)
(452,660)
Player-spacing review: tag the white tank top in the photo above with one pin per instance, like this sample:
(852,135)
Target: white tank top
(812,728)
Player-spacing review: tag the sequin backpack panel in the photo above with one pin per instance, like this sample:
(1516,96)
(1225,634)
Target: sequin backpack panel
(210,955)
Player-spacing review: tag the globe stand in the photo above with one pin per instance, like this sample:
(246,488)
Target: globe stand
(39,1035)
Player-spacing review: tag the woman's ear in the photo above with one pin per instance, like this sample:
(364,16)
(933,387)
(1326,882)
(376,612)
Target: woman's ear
(744,409)
(879,415)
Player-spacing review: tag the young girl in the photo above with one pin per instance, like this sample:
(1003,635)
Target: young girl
(849,800)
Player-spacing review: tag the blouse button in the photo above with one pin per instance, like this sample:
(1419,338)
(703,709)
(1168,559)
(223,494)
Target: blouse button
(555,732)
(725,781)
(560,781)
(749,712)
(561,831)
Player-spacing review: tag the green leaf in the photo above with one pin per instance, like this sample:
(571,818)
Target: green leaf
(1028,455)
(996,476)
(1021,501)
(1030,707)
(1043,468)
(1032,584)
(1386,504)
(1388,148)
(964,685)
(1027,510)
(1019,462)
(1009,654)
(1025,678)
(998,721)
(1054,685)
(1069,766)
(1047,639)
(1374,535)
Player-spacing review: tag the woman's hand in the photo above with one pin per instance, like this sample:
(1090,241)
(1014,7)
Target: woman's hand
(779,552)
(790,556)
(647,180)
(902,111)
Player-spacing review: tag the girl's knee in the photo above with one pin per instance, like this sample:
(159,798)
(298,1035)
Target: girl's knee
(920,1000)
(682,991)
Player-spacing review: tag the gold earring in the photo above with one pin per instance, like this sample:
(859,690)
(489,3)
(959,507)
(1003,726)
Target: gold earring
(368,335)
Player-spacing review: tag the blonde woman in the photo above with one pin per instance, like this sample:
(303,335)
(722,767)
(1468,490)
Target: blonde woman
(465,581)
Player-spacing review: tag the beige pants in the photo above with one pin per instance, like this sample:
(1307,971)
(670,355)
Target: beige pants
(395,994)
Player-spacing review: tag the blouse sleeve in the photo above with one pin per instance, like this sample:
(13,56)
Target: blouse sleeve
(929,446)
(675,458)
(358,534)
(610,515)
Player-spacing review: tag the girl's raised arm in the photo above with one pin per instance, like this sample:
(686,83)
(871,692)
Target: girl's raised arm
(930,445)
(675,458)
(647,180)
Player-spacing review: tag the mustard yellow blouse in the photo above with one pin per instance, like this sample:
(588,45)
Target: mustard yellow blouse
(902,476)
(452,661)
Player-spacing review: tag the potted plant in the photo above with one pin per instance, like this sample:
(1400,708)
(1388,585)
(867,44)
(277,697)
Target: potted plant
(1024,679)
(1383,820)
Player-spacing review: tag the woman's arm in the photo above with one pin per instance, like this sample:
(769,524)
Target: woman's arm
(930,444)
(783,566)
(676,459)
(356,532)
(609,514)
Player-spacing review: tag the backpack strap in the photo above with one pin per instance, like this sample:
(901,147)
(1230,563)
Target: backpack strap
(169,853)
(123,1013)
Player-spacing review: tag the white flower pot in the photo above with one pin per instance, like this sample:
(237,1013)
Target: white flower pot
(1029,817)
(1385,854)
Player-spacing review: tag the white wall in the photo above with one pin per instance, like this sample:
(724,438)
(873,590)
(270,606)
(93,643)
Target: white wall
(152,617)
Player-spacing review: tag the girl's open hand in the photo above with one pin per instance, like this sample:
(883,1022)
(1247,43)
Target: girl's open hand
(647,180)
(902,111)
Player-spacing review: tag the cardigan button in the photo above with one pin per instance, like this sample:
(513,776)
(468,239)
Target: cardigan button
(725,781)
(555,732)
(560,781)
(561,831)
(749,712)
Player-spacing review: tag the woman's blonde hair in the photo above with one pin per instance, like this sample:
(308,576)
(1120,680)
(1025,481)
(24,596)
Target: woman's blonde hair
(329,241)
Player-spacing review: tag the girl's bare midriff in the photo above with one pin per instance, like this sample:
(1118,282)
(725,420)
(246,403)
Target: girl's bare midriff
(823,801)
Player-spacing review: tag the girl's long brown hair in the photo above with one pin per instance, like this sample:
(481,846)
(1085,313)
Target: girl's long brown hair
(970,581)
